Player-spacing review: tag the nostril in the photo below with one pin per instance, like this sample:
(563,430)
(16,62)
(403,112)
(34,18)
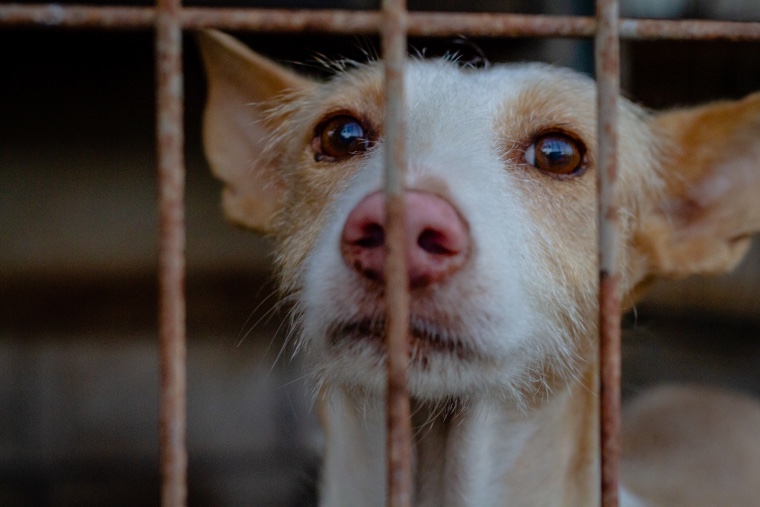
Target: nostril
(437,239)
(433,242)
(373,236)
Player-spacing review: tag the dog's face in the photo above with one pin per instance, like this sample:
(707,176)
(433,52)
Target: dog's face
(521,299)
(502,211)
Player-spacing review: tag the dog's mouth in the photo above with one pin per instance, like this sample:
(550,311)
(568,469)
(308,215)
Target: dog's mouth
(424,337)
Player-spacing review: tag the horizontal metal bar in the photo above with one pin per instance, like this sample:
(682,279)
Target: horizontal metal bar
(77,16)
(688,29)
(438,24)
(419,23)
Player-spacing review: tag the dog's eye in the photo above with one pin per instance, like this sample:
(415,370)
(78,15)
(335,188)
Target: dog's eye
(556,153)
(339,138)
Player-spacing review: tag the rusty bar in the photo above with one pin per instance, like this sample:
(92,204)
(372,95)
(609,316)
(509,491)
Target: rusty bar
(656,29)
(278,20)
(499,25)
(171,176)
(456,23)
(399,436)
(607,57)
(419,23)
(444,24)
(78,16)
(439,24)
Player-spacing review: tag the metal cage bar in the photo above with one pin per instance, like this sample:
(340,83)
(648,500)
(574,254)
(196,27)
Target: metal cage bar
(399,429)
(171,174)
(341,21)
(169,18)
(607,60)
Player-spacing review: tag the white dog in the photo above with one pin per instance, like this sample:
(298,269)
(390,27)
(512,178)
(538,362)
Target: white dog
(502,268)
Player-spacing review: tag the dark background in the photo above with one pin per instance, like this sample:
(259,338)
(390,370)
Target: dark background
(78,367)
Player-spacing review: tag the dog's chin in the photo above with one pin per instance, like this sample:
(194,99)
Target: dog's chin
(425,340)
(444,363)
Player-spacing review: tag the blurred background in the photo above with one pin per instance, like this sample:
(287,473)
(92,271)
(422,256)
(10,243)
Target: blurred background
(78,355)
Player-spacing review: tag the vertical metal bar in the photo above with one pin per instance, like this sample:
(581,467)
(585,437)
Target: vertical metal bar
(608,88)
(399,435)
(171,176)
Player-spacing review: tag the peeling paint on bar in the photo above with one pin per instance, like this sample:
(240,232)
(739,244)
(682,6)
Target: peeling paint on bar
(399,431)
(171,175)
(77,16)
(656,29)
(607,58)
(440,24)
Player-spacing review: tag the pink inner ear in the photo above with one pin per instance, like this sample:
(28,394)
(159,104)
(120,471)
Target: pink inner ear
(710,203)
(724,203)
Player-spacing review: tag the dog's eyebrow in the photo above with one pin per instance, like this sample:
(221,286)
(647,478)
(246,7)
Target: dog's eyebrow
(535,112)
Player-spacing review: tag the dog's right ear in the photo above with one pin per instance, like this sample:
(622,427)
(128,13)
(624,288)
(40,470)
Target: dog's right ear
(236,128)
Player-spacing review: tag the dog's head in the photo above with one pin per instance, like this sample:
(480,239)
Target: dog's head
(501,202)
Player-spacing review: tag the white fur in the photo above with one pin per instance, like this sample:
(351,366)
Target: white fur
(628,499)
(503,318)
(503,302)
(463,464)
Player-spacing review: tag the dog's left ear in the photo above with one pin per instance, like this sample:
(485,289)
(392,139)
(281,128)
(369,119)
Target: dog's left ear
(710,162)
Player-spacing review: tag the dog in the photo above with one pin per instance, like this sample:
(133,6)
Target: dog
(502,268)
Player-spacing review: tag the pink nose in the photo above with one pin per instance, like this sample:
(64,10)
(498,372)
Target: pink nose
(437,239)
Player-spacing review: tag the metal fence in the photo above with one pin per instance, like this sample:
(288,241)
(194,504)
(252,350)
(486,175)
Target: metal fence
(394,22)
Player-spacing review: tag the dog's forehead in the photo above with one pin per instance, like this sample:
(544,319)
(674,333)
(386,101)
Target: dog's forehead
(464,88)
(449,100)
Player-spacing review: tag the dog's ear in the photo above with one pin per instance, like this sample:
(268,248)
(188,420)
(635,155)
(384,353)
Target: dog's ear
(710,162)
(236,128)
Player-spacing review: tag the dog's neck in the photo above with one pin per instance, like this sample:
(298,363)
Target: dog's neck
(483,454)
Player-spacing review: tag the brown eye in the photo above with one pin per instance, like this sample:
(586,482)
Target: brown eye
(339,138)
(556,153)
